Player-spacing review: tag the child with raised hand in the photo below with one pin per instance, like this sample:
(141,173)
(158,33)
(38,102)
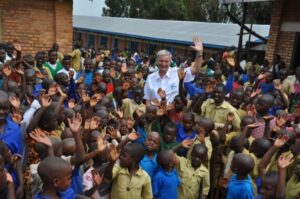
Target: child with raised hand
(193,175)
(129,180)
(274,183)
(165,183)
(240,185)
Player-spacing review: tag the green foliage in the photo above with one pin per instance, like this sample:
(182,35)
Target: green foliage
(191,10)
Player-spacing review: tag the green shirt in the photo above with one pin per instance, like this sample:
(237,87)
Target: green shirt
(191,179)
(292,188)
(125,187)
(53,68)
(219,113)
(167,146)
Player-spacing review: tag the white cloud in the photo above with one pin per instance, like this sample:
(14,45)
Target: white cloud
(88,7)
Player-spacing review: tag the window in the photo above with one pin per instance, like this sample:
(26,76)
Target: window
(90,41)
(103,41)
(116,44)
(133,46)
(151,48)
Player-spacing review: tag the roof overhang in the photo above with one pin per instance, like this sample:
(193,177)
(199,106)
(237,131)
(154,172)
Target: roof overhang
(239,1)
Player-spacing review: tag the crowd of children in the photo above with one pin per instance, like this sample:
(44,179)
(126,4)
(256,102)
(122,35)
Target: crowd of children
(91,128)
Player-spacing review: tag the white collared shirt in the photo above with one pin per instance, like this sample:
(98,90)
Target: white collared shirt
(63,70)
(169,82)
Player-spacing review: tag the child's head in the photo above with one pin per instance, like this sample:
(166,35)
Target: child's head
(268,77)
(150,114)
(165,159)
(178,103)
(131,155)
(152,142)
(48,120)
(62,79)
(242,164)
(246,120)
(169,133)
(269,185)
(52,56)
(68,146)
(55,173)
(4,105)
(138,94)
(198,155)
(187,121)
(207,124)
(123,127)
(88,64)
(237,98)
(42,150)
(106,76)
(67,62)
(234,144)
(260,146)
(30,76)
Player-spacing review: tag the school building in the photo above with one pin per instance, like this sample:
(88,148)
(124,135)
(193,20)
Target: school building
(37,24)
(151,35)
(285,32)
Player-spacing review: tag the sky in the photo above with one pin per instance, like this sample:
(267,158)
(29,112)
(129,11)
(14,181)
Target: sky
(88,7)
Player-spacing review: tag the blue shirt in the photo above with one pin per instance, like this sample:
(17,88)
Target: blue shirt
(181,134)
(68,194)
(267,88)
(192,89)
(149,165)
(88,76)
(165,184)
(12,136)
(240,189)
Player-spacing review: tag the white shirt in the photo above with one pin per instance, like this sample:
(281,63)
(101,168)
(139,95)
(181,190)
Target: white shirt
(67,72)
(169,83)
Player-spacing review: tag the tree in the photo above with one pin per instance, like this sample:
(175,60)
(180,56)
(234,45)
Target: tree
(192,10)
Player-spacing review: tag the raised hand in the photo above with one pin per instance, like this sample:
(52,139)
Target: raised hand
(209,88)
(6,70)
(161,93)
(97,178)
(45,100)
(230,117)
(119,113)
(281,120)
(71,104)
(181,73)
(187,143)
(285,160)
(133,136)
(53,89)
(71,74)
(94,100)
(114,154)
(113,133)
(124,68)
(95,123)
(160,112)
(253,126)
(39,75)
(85,97)
(138,112)
(268,118)
(101,142)
(280,141)
(80,79)
(14,101)
(17,46)
(261,76)
(75,123)
(40,137)
(198,46)
(61,93)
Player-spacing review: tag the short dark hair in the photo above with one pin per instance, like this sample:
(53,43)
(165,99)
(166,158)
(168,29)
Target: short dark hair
(136,151)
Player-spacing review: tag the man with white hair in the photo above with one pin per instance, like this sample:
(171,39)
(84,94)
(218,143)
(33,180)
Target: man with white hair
(166,78)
